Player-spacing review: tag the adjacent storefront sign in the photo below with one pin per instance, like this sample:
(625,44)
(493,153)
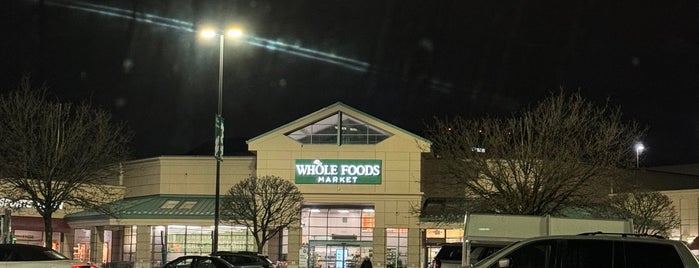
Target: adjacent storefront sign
(337,171)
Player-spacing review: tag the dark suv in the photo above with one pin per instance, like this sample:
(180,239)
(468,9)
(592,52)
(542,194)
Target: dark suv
(245,259)
(450,254)
(593,250)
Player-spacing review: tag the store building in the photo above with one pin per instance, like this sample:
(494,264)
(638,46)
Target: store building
(360,177)
(21,224)
(363,181)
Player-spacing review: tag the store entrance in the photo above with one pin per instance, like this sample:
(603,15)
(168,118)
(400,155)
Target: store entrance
(339,255)
(342,255)
(336,237)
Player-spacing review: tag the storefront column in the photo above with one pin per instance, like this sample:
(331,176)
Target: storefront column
(414,247)
(378,259)
(143,247)
(117,245)
(292,257)
(68,244)
(96,244)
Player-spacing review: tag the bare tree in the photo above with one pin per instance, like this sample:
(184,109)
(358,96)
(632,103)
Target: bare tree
(536,162)
(55,154)
(265,205)
(652,212)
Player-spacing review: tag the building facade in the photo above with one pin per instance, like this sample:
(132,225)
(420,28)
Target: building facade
(360,178)
(363,181)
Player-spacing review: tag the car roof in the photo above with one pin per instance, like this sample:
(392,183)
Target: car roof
(22,246)
(246,253)
(607,236)
(203,257)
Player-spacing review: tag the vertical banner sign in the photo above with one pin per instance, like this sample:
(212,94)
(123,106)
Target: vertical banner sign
(218,143)
(337,171)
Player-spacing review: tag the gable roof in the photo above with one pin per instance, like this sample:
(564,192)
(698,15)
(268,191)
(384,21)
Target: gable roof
(332,109)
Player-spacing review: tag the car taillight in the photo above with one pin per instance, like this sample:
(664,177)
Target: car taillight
(437,264)
(83,266)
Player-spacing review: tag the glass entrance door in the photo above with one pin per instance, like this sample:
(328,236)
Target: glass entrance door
(345,255)
(339,255)
(336,237)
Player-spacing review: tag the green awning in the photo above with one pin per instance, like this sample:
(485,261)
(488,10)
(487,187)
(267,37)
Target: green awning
(152,207)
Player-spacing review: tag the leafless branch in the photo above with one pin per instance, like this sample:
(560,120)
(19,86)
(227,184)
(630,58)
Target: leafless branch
(55,153)
(266,205)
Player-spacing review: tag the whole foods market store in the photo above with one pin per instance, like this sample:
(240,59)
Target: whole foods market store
(360,177)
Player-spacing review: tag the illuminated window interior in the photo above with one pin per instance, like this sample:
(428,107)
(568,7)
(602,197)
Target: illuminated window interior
(339,129)
(188,204)
(170,204)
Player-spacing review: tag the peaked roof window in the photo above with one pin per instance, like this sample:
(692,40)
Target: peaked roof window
(170,204)
(188,204)
(339,129)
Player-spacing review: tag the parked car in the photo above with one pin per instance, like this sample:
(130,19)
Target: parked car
(197,261)
(593,250)
(32,256)
(245,259)
(450,254)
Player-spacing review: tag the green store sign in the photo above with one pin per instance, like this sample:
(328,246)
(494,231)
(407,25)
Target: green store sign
(337,171)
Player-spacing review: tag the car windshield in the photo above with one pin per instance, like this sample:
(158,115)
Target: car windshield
(492,255)
(449,252)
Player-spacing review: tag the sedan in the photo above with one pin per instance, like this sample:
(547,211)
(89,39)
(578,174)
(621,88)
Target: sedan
(196,261)
(31,256)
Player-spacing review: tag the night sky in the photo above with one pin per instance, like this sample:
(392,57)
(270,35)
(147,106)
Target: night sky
(402,61)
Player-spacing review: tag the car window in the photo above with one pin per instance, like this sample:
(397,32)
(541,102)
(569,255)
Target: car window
(642,255)
(487,258)
(449,253)
(204,263)
(182,263)
(587,253)
(481,252)
(533,255)
(236,259)
(266,260)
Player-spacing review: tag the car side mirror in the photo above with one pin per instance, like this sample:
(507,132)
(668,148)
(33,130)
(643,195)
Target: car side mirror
(503,263)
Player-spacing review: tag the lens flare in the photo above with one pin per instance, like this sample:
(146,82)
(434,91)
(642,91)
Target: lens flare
(185,26)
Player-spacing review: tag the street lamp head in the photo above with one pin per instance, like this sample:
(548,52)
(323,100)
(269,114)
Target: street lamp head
(234,32)
(210,32)
(639,147)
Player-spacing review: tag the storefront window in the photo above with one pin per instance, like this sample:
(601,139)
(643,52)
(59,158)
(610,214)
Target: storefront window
(188,240)
(129,253)
(107,246)
(158,245)
(235,238)
(454,235)
(336,237)
(285,244)
(81,250)
(84,245)
(342,127)
(36,238)
(29,237)
(436,237)
(196,240)
(396,247)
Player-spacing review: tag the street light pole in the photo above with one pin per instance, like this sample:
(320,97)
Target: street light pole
(214,246)
(218,143)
